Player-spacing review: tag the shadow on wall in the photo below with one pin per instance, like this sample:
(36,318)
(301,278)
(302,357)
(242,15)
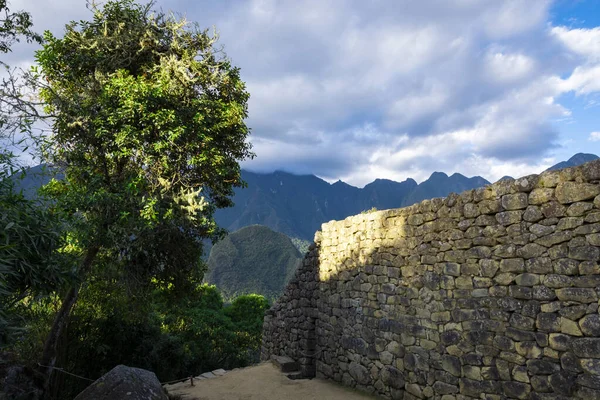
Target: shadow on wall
(492,293)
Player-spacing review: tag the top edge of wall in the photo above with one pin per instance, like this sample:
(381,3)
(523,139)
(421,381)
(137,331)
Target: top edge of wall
(584,173)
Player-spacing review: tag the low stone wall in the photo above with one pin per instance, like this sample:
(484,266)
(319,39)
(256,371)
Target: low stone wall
(289,326)
(491,294)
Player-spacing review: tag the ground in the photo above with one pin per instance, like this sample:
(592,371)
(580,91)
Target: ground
(263,382)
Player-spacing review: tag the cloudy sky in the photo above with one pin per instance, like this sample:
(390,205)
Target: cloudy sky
(358,90)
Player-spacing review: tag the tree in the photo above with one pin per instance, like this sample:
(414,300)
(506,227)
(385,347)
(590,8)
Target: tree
(29,234)
(15,112)
(148,125)
(13,26)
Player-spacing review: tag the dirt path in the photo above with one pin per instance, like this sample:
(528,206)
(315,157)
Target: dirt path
(263,382)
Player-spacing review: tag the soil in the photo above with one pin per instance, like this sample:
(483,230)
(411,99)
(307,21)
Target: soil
(262,382)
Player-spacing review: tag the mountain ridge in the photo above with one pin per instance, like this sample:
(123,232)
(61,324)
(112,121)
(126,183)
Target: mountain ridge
(297,205)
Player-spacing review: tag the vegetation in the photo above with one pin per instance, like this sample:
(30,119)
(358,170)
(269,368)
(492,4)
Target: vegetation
(147,133)
(253,259)
(148,124)
(301,245)
(29,235)
(174,339)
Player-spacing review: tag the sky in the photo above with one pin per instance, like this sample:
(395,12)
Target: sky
(364,89)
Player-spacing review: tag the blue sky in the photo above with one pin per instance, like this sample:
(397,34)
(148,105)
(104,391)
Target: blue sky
(585,109)
(358,90)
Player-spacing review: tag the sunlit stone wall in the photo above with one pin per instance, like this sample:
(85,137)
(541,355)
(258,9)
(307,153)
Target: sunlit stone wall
(491,294)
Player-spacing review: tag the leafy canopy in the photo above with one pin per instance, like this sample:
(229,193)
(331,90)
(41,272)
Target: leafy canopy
(149,127)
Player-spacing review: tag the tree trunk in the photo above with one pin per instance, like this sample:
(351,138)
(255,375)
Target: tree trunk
(49,355)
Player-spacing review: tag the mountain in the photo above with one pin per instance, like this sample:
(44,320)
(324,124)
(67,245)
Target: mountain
(254,259)
(298,205)
(34,178)
(577,159)
(440,185)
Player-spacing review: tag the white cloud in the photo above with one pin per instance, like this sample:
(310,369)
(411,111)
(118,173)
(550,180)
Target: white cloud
(594,136)
(584,80)
(585,42)
(506,68)
(362,90)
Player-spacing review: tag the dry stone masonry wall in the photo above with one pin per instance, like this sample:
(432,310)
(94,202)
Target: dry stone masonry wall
(490,294)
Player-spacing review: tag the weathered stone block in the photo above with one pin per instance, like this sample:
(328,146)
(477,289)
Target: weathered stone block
(569,327)
(531,250)
(488,267)
(541,230)
(527,279)
(582,295)
(579,209)
(590,325)
(359,373)
(512,265)
(542,367)
(528,349)
(452,365)
(554,238)
(548,322)
(571,192)
(533,214)
(516,390)
(539,265)
(558,281)
(540,196)
(516,201)
(509,217)
(562,383)
(590,253)
(553,209)
(586,347)
(520,292)
(489,206)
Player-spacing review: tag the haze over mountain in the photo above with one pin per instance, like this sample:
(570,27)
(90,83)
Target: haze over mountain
(297,205)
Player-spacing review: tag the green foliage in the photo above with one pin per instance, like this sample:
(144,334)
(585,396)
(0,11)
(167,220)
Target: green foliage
(29,264)
(148,123)
(173,339)
(253,259)
(29,234)
(301,245)
(148,126)
(247,312)
(148,129)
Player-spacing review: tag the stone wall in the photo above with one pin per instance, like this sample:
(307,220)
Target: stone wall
(289,326)
(490,294)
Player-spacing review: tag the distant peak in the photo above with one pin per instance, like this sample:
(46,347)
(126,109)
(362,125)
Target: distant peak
(583,156)
(438,175)
(383,181)
(340,182)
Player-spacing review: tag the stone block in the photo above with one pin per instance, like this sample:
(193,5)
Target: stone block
(571,192)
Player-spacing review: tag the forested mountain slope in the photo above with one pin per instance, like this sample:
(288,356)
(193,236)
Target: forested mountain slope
(254,259)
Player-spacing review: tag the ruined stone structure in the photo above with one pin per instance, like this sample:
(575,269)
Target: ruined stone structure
(490,294)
